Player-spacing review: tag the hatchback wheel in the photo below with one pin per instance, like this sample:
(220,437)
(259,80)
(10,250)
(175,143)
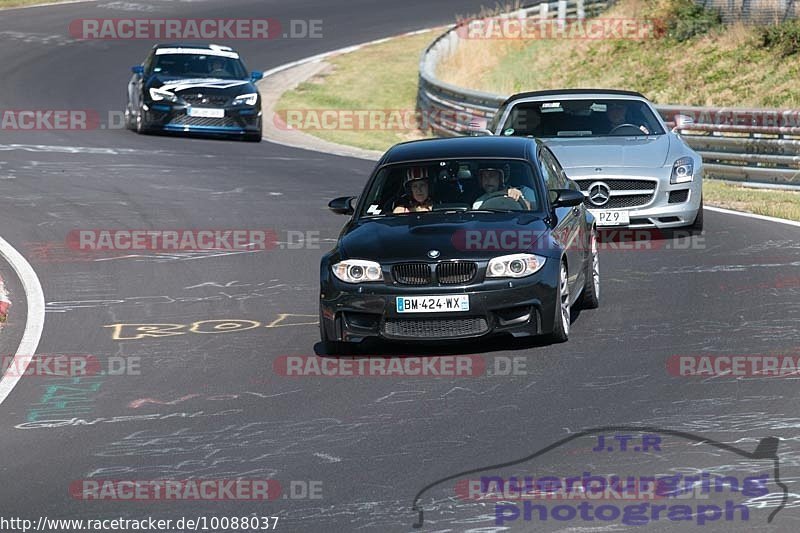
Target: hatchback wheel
(562,319)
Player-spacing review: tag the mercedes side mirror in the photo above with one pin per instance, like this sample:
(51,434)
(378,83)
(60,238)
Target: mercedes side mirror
(478,127)
(682,122)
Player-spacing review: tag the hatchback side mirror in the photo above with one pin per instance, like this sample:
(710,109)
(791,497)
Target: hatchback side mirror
(256,75)
(138,69)
(566,197)
(342,205)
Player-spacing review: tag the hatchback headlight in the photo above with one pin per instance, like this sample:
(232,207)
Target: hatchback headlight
(514,266)
(160,94)
(358,271)
(246,99)
(682,171)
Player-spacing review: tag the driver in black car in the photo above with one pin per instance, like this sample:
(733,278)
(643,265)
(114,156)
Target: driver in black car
(493,180)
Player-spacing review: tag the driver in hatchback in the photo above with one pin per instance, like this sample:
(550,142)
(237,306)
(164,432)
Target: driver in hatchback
(493,180)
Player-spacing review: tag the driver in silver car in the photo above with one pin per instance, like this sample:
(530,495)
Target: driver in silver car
(617,117)
(493,180)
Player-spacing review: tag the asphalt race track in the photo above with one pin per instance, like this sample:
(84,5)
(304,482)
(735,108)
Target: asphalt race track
(363,447)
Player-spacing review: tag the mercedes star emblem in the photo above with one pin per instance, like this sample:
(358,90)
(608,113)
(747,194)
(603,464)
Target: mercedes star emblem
(599,193)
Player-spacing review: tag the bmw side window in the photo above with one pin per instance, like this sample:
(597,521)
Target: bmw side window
(549,173)
(563,180)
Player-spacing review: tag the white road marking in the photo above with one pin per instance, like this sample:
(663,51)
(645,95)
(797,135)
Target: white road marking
(328,458)
(751,215)
(34,323)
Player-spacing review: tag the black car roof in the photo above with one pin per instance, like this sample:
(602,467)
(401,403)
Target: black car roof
(556,92)
(462,147)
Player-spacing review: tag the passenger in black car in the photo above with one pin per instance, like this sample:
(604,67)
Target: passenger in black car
(416,192)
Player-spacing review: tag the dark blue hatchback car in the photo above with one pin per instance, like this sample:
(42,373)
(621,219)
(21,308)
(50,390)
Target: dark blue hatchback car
(191,88)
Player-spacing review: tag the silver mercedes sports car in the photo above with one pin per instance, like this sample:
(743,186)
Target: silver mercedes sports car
(632,169)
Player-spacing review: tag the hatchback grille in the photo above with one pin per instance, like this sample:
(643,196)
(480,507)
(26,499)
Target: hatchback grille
(205,99)
(454,273)
(435,328)
(185,120)
(678,197)
(412,273)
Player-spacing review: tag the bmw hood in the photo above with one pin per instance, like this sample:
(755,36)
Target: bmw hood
(619,152)
(428,237)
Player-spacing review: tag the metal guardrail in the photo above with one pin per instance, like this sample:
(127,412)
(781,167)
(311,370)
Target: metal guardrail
(758,145)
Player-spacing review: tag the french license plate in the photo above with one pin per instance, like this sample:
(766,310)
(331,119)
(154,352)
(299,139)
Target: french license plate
(611,218)
(432,304)
(206,112)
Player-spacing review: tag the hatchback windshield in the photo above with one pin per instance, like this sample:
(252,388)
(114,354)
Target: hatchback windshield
(199,66)
(461,185)
(581,118)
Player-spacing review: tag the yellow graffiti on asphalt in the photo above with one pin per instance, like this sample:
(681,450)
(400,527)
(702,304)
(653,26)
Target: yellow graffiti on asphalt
(124,332)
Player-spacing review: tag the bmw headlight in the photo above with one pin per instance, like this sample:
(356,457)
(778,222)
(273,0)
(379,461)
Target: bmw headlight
(682,171)
(246,99)
(514,266)
(357,271)
(160,94)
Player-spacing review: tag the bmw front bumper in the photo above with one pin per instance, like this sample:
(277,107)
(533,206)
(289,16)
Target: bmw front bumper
(520,307)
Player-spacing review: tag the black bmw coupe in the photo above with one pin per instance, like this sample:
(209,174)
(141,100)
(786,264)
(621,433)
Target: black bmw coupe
(456,239)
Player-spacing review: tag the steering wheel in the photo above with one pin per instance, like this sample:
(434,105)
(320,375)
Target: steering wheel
(500,204)
(626,125)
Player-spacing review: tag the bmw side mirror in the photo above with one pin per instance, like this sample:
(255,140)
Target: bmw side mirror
(566,197)
(256,75)
(138,69)
(342,205)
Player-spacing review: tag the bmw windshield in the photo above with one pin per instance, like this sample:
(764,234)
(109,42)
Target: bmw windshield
(477,185)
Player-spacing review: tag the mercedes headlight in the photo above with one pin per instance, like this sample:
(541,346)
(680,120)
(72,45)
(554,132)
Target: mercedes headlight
(246,99)
(357,271)
(682,171)
(514,266)
(160,94)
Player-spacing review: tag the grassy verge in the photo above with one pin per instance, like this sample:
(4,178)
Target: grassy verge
(381,78)
(781,204)
(688,58)
(18,3)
